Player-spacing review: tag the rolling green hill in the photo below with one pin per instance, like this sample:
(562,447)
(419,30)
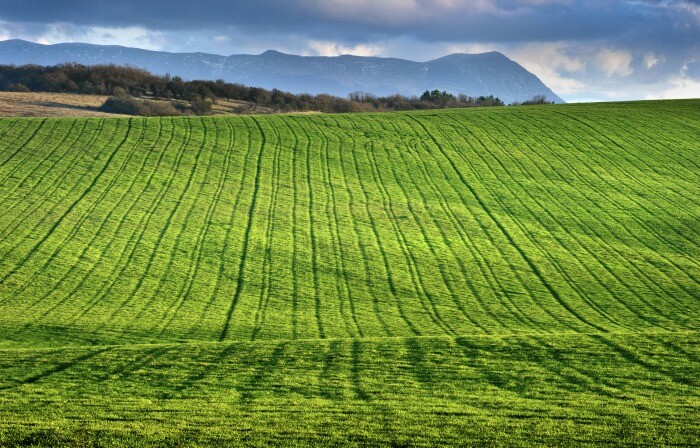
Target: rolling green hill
(510,276)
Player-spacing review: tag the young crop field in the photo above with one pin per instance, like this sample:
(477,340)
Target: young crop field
(517,276)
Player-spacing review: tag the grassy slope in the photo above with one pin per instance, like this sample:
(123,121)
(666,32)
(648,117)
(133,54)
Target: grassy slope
(45,104)
(522,275)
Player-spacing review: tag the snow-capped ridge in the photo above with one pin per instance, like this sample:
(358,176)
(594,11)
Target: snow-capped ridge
(490,73)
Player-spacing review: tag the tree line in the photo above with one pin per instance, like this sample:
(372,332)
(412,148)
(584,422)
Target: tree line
(131,86)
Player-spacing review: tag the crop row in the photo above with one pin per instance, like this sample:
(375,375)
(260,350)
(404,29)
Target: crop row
(300,227)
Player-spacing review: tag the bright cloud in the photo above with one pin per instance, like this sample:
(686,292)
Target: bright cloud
(4,32)
(329,48)
(554,64)
(399,11)
(681,88)
(615,62)
(128,36)
(651,60)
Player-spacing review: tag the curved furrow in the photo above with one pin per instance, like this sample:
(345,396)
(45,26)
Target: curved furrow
(636,237)
(676,132)
(246,238)
(582,245)
(500,221)
(686,117)
(519,312)
(266,268)
(301,181)
(156,296)
(52,185)
(418,160)
(343,288)
(314,237)
(410,206)
(531,264)
(31,155)
(214,204)
(679,160)
(9,138)
(293,240)
(37,275)
(225,249)
(525,317)
(552,317)
(198,249)
(487,271)
(69,210)
(139,229)
(377,239)
(314,243)
(254,281)
(285,291)
(110,239)
(630,160)
(555,263)
(624,128)
(594,205)
(418,288)
(383,238)
(28,173)
(44,219)
(423,204)
(77,227)
(622,133)
(26,141)
(416,278)
(638,220)
(570,281)
(306,175)
(371,287)
(9,123)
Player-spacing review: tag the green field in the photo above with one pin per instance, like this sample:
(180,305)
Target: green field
(514,276)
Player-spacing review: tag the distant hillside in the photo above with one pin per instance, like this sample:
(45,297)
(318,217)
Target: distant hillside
(472,74)
(134,88)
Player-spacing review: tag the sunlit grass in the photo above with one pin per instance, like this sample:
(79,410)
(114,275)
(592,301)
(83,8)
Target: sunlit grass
(514,276)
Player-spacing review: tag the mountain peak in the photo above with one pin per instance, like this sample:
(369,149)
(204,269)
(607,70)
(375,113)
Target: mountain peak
(271,53)
(484,74)
(472,56)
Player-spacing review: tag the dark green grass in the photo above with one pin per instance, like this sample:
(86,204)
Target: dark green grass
(566,390)
(510,276)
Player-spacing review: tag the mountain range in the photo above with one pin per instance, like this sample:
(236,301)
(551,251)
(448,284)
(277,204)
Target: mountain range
(472,74)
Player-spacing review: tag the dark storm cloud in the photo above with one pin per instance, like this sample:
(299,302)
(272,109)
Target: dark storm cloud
(584,49)
(155,14)
(428,20)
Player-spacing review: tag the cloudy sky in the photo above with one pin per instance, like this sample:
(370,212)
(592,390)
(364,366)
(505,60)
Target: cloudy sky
(584,50)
